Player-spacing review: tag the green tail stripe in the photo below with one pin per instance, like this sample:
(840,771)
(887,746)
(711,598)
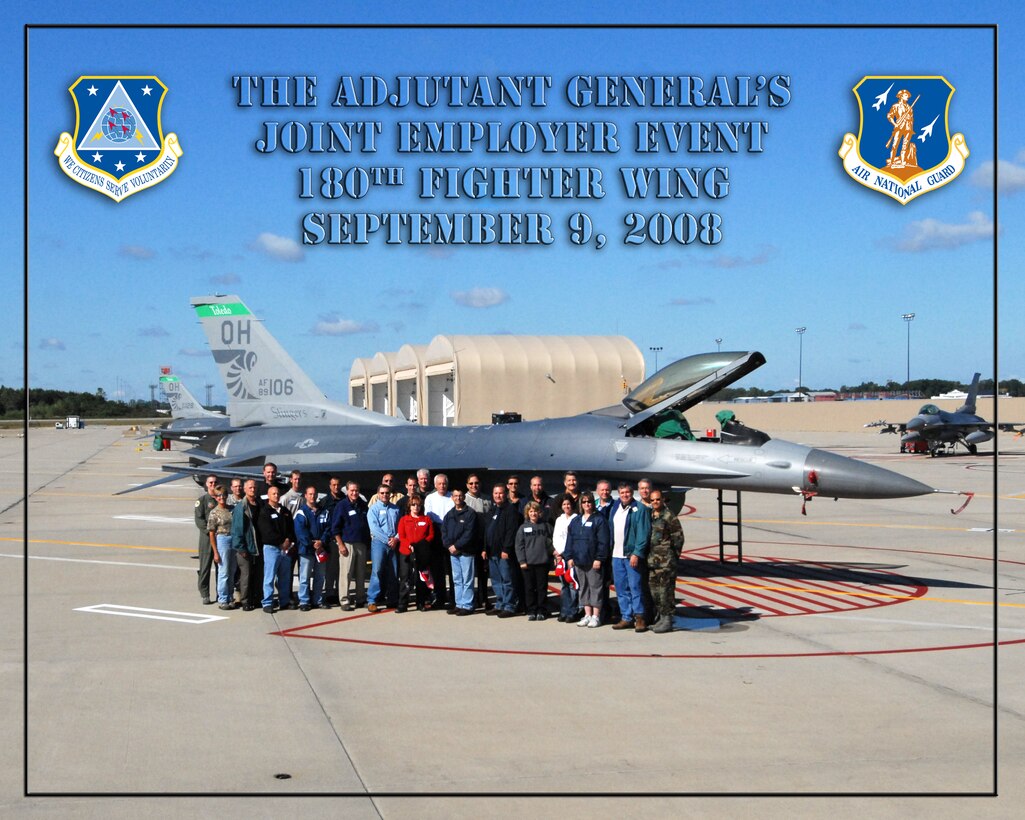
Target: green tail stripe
(226,309)
(168,378)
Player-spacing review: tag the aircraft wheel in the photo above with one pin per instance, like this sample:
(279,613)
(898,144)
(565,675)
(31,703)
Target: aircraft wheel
(973,449)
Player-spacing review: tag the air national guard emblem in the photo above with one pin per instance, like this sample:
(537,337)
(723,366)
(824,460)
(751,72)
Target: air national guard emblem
(904,148)
(119,147)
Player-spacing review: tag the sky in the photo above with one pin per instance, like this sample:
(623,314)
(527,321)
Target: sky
(797,242)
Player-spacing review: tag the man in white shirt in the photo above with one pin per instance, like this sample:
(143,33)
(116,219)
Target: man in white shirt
(436,506)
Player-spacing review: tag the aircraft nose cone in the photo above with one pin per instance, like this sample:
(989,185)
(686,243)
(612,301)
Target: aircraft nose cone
(839,476)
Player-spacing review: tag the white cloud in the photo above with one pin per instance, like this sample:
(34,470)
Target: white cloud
(480,297)
(193,252)
(930,234)
(137,252)
(764,255)
(335,326)
(1012,176)
(279,247)
(225,279)
(51,344)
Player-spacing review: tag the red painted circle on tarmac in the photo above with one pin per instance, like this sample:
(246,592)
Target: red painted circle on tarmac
(918,591)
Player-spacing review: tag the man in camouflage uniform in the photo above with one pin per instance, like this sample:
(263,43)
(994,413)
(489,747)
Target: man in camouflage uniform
(201,510)
(666,543)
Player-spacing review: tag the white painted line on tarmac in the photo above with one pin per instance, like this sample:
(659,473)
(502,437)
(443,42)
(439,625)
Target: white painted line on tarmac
(91,561)
(154,614)
(155,519)
(932,624)
(986,529)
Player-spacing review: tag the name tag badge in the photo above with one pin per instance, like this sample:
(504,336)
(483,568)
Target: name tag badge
(528,529)
(421,523)
(588,523)
(273,515)
(352,512)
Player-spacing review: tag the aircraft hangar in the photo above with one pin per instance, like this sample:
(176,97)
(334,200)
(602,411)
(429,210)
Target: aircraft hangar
(459,380)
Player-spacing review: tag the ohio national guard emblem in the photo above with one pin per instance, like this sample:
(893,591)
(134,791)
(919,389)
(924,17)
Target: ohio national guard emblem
(119,147)
(904,148)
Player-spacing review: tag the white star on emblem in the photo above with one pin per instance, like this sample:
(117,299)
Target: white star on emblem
(146,90)
(92,90)
(97,157)
(120,166)
(141,157)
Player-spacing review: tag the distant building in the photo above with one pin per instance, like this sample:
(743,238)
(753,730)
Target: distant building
(459,380)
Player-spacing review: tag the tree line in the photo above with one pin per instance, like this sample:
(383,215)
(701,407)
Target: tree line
(916,387)
(58,404)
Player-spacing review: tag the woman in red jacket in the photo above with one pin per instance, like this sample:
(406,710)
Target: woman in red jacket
(416,531)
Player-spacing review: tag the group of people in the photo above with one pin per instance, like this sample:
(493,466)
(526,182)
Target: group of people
(432,546)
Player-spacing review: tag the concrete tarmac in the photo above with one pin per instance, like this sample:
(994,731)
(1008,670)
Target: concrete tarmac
(852,652)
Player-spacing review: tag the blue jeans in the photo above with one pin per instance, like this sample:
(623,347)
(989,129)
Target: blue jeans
(568,598)
(462,580)
(502,584)
(629,588)
(383,574)
(225,570)
(309,565)
(277,566)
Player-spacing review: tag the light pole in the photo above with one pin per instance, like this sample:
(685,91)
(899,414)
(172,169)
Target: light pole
(656,351)
(908,319)
(800,357)
(718,345)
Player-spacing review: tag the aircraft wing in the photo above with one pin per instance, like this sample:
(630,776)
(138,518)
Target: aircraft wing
(194,434)
(889,426)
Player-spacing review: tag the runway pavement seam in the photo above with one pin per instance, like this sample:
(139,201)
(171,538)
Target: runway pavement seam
(56,477)
(330,722)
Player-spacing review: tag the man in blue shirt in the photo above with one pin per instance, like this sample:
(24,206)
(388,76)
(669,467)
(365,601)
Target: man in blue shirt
(383,518)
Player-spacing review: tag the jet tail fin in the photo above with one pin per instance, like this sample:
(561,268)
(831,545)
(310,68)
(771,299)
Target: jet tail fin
(183,403)
(973,392)
(264,384)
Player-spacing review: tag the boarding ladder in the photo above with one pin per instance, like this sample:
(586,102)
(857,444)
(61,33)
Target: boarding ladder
(736,521)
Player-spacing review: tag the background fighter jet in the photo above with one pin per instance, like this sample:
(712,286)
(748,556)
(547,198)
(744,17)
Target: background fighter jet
(306,431)
(190,421)
(941,430)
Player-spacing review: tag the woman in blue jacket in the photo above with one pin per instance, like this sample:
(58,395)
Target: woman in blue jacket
(587,550)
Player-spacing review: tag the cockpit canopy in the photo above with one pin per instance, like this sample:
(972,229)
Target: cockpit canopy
(661,399)
(929,410)
(692,380)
